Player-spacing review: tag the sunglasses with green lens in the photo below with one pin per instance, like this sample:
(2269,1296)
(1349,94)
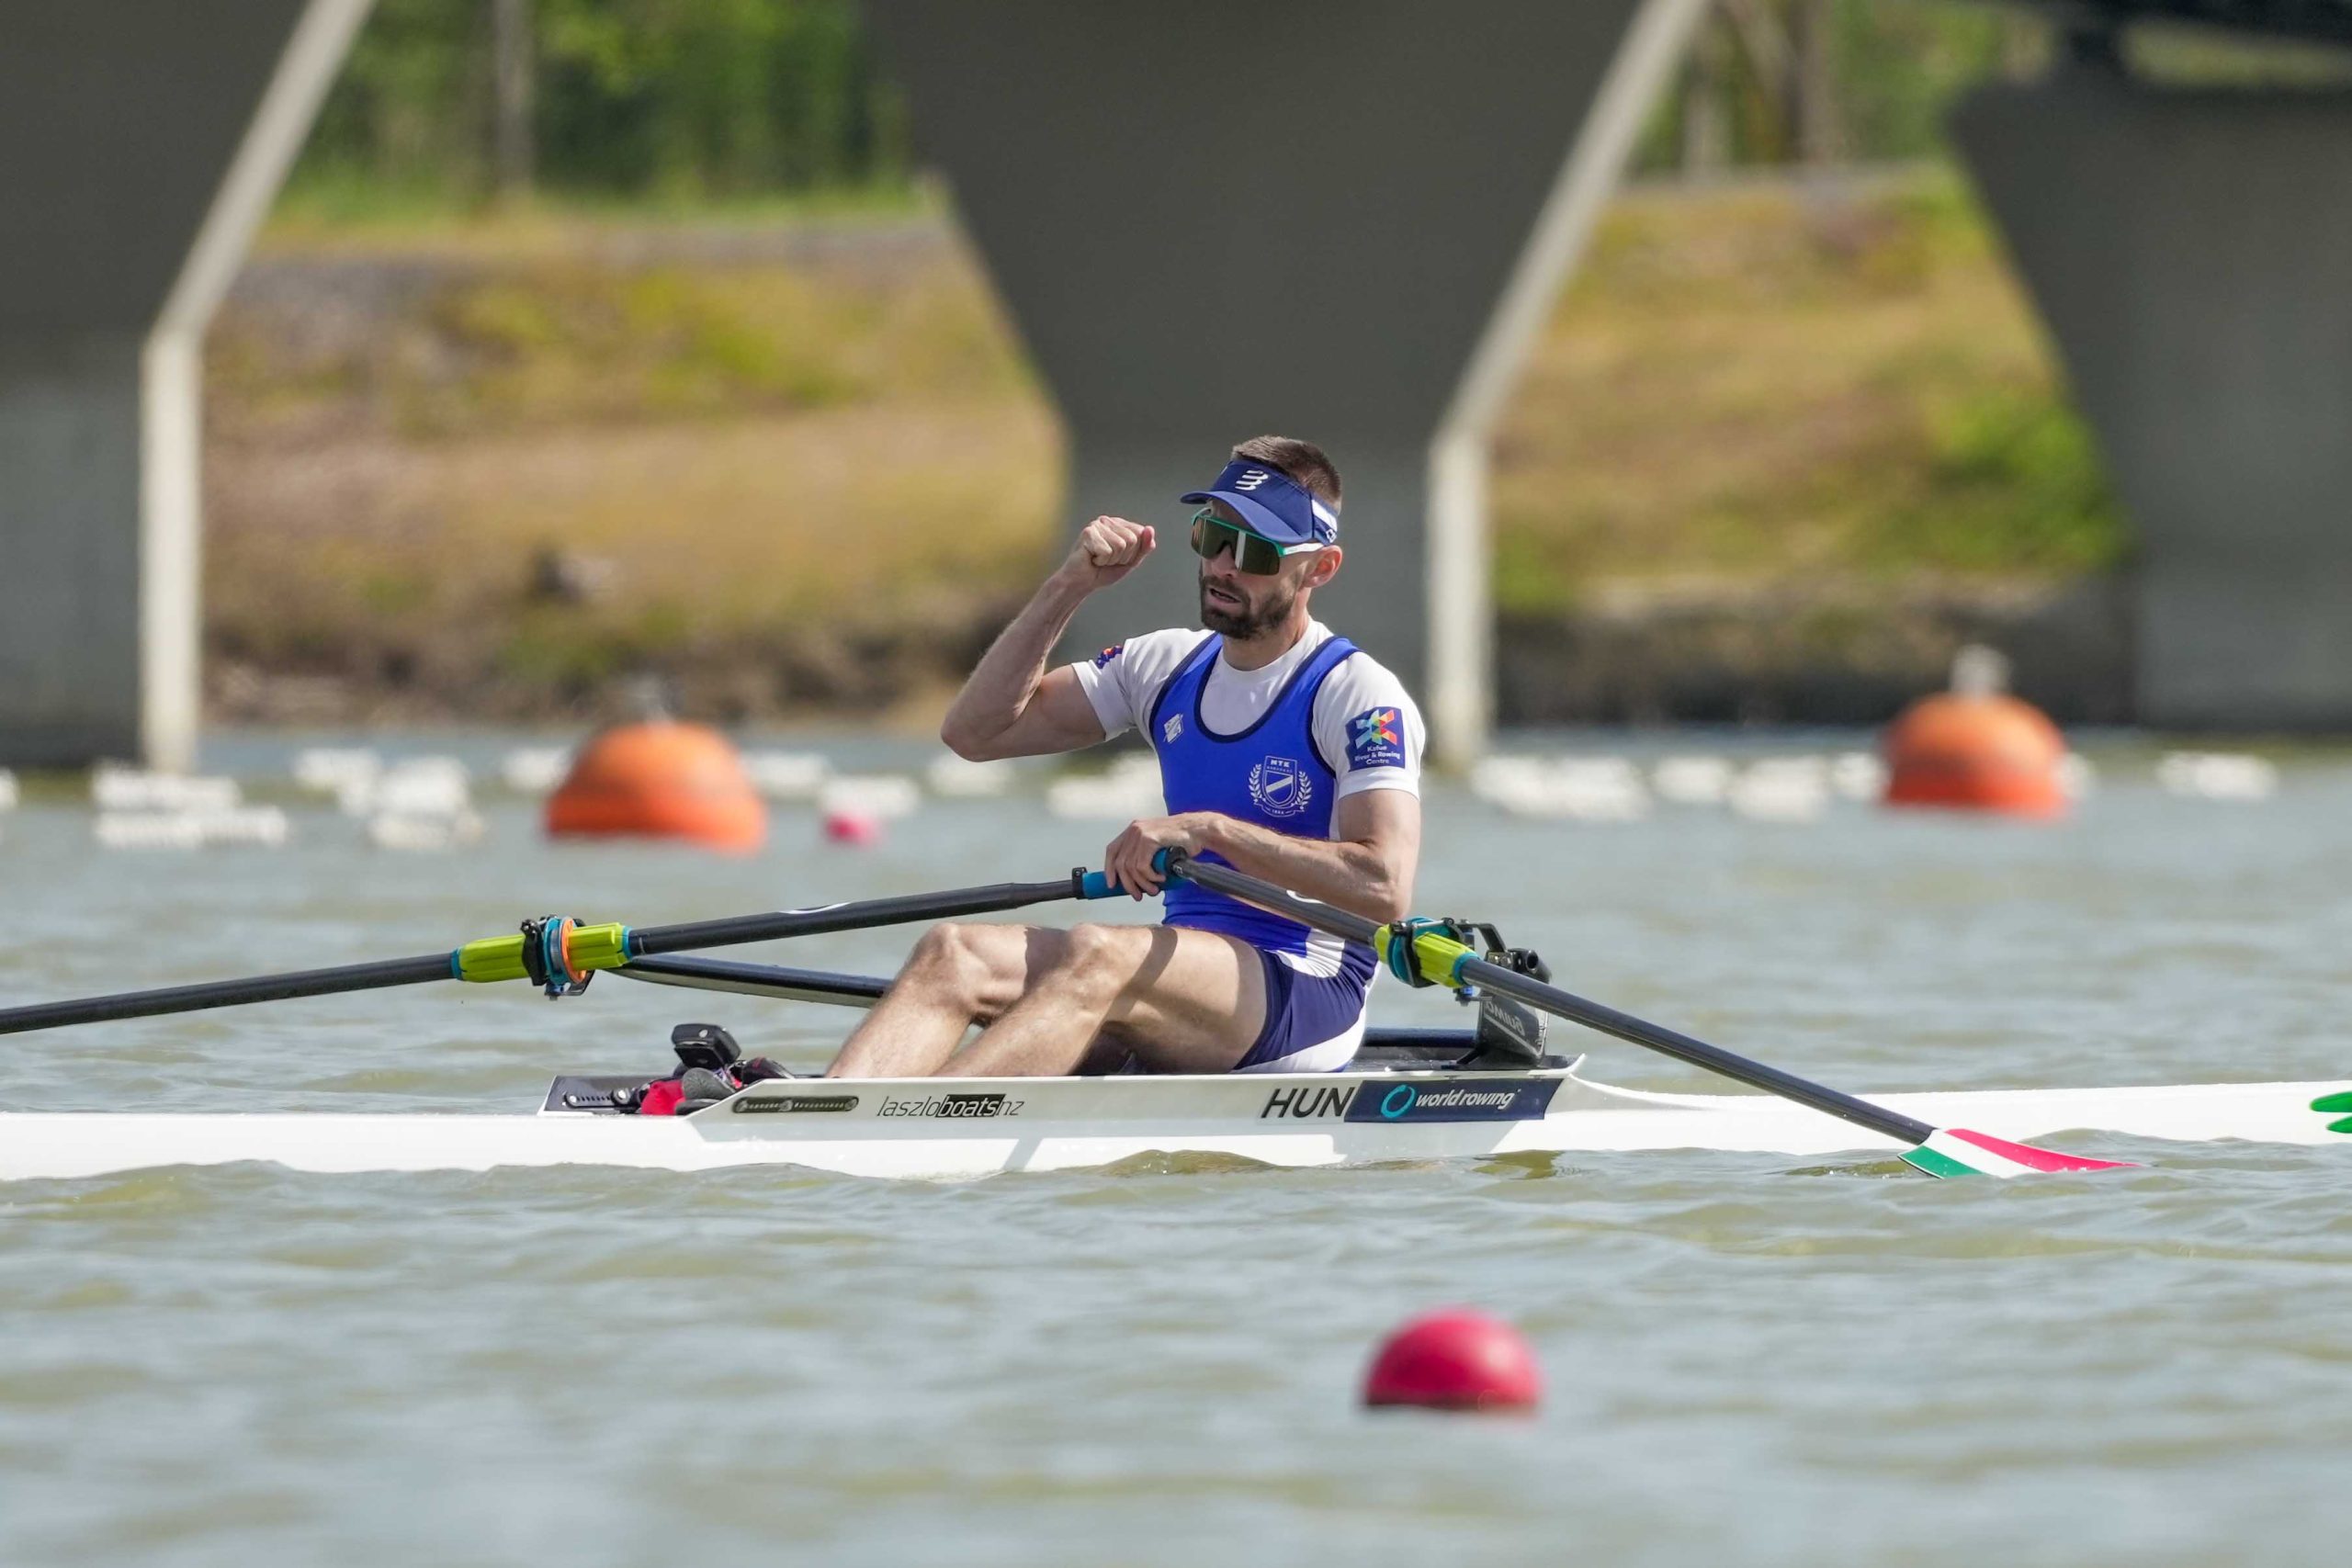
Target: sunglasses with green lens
(1252,553)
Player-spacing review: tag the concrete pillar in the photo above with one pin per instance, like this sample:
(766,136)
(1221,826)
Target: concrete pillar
(1339,219)
(2191,253)
(141,141)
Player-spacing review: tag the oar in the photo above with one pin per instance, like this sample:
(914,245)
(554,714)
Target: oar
(1410,947)
(770,980)
(779,983)
(554,952)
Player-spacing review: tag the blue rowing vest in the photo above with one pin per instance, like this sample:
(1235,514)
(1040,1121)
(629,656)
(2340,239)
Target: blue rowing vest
(1270,774)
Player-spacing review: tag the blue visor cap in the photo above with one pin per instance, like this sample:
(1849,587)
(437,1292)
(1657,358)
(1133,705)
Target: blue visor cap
(1272,503)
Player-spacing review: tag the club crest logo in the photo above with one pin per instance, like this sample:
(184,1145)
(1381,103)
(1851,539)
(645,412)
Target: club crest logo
(1108,654)
(1280,787)
(1376,740)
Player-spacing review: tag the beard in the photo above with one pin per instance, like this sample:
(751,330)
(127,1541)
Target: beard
(1248,621)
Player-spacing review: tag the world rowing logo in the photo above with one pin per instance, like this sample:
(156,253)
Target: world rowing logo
(1281,787)
(1479,1100)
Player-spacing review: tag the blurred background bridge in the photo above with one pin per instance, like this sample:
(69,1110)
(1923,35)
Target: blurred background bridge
(1337,219)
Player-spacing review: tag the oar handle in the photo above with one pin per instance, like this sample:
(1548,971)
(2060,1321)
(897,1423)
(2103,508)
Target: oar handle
(1451,963)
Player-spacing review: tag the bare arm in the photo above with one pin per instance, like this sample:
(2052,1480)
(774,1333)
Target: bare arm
(1011,706)
(1367,870)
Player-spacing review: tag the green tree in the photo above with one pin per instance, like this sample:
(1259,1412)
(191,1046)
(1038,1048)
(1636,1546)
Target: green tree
(628,97)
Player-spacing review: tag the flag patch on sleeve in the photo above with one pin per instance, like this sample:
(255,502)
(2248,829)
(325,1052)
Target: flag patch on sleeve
(1376,740)
(1108,654)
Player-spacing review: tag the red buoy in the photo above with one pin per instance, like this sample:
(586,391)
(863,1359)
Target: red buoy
(660,780)
(847,825)
(1455,1359)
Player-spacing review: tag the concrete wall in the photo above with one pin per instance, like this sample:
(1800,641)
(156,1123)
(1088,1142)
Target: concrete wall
(139,142)
(2191,253)
(1340,219)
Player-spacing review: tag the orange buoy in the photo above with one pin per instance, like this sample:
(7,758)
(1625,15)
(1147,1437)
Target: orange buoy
(1977,753)
(659,780)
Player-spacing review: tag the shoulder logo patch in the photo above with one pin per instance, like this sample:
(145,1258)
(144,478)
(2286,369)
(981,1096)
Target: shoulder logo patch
(1109,653)
(1376,740)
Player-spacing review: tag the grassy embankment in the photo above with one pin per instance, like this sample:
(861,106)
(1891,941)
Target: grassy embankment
(483,468)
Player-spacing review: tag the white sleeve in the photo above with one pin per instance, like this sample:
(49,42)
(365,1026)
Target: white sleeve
(1124,679)
(1367,727)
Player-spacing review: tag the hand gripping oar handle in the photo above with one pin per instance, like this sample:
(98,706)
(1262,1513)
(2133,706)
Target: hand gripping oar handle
(1446,961)
(563,953)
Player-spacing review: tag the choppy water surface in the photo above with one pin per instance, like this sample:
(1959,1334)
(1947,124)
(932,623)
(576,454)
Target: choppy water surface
(1749,1361)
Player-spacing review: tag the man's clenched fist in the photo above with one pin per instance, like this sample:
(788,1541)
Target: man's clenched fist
(1107,550)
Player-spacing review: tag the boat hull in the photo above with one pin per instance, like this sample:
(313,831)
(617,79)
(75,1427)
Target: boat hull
(951,1129)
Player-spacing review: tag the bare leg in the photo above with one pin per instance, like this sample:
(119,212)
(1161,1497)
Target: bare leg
(956,976)
(1183,1000)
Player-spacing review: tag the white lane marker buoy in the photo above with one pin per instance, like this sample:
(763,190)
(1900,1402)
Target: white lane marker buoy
(2217,776)
(1692,781)
(114,787)
(1858,775)
(328,770)
(960,776)
(1580,789)
(424,832)
(1782,789)
(787,775)
(535,770)
(245,826)
(1128,788)
(884,796)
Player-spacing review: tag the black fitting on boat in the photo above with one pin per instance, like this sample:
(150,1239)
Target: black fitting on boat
(704,1046)
(1510,1035)
(546,957)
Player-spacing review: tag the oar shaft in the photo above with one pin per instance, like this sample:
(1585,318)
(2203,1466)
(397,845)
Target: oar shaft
(768,980)
(229,993)
(1566,1004)
(646,941)
(502,958)
(1698,1053)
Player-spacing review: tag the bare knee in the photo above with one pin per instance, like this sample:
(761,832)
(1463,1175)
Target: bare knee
(954,965)
(1095,962)
(1094,947)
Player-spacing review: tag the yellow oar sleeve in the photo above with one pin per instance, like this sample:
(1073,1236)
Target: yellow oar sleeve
(589,948)
(1435,959)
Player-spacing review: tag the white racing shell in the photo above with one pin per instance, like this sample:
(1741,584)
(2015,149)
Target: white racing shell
(946,1129)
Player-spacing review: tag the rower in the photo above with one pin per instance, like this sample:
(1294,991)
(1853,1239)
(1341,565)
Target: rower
(1284,752)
